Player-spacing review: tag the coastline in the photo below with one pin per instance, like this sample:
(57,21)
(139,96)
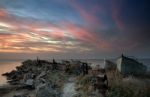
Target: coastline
(51,76)
(7,66)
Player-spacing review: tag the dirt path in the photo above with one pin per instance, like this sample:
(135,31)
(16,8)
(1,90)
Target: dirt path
(69,88)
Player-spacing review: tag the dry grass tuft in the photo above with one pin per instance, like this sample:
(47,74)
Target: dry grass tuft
(128,87)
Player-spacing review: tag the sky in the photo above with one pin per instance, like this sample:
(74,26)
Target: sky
(74,28)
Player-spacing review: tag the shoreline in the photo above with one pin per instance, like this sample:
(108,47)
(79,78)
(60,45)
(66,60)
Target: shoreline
(38,78)
(35,75)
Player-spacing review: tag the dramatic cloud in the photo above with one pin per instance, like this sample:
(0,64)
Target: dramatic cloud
(116,9)
(74,28)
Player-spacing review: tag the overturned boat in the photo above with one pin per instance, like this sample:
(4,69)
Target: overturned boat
(130,66)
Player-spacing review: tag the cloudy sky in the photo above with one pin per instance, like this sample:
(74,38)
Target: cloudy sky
(74,28)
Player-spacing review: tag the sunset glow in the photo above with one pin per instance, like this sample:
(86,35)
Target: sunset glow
(64,26)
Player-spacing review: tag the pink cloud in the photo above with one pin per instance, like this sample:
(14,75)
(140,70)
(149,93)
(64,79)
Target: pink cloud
(87,14)
(3,13)
(116,4)
(83,35)
(23,33)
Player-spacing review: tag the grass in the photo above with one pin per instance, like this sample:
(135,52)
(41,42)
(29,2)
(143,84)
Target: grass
(118,86)
(128,87)
(83,85)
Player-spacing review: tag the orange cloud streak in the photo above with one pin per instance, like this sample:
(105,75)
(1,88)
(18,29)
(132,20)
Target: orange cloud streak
(3,13)
(47,33)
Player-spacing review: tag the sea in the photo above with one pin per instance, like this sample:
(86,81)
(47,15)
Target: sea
(9,65)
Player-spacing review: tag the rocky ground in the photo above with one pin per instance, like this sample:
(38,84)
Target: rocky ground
(35,78)
(41,78)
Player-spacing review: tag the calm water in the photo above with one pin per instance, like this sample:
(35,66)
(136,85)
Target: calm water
(7,66)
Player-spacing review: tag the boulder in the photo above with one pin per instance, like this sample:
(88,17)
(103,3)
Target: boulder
(47,90)
(21,96)
(29,82)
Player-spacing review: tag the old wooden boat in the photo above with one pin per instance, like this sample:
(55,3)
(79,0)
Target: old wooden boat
(130,66)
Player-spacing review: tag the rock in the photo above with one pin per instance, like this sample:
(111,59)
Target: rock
(39,82)
(47,90)
(21,96)
(43,73)
(6,89)
(29,82)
